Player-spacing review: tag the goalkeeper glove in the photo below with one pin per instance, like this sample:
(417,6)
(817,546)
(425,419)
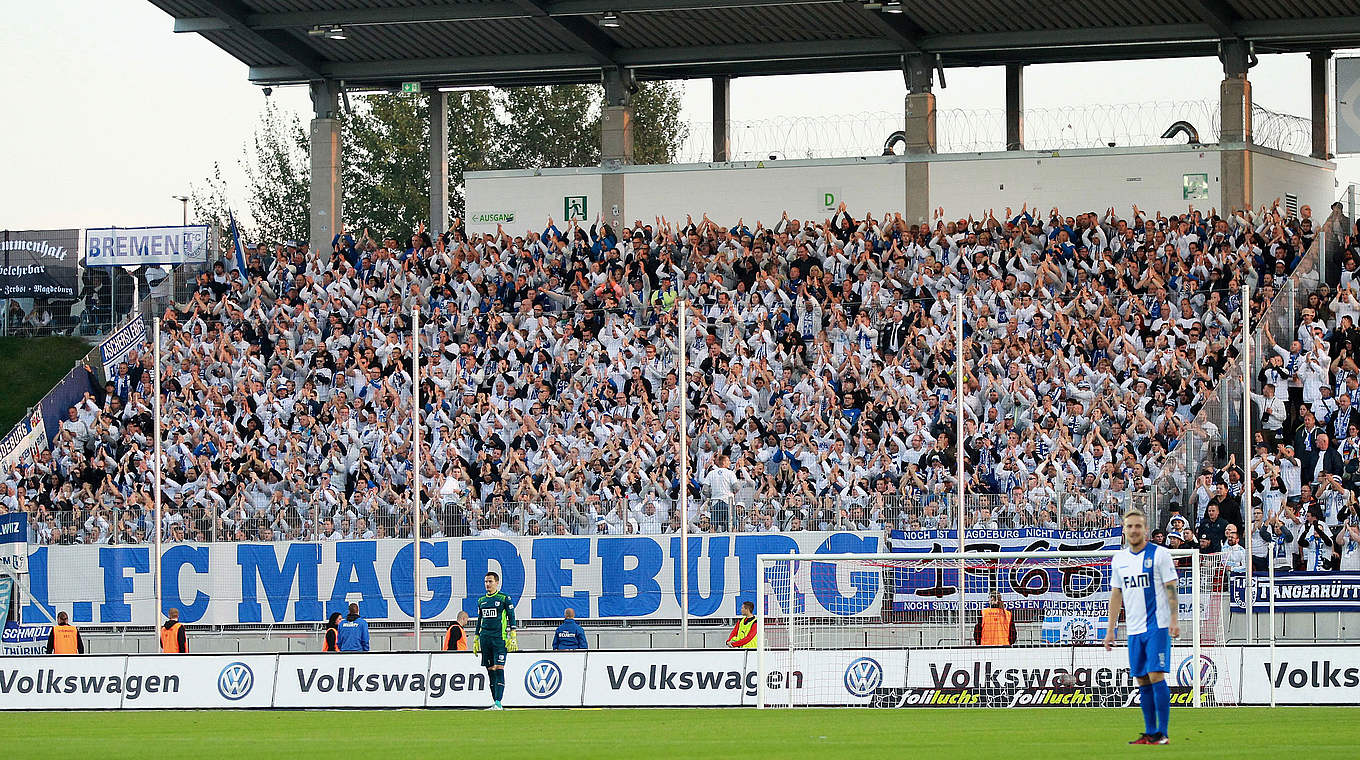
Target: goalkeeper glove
(476,643)
(512,642)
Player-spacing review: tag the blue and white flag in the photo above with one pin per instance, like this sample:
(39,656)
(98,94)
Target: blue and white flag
(236,245)
(21,640)
(14,543)
(1074,629)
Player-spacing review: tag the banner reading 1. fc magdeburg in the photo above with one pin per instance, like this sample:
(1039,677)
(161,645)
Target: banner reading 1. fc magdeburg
(621,577)
(1075,588)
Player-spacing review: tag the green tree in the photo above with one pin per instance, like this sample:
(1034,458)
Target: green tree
(477,140)
(551,126)
(279,179)
(386,172)
(211,207)
(658,132)
(387,168)
(277,186)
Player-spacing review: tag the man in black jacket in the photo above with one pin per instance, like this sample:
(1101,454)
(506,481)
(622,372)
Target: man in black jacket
(1340,420)
(1305,444)
(1328,460)
(1213,527)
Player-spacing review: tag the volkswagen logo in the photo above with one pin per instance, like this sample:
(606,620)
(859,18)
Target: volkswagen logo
(543,679)
(235,681)
(863,677)
(1208,672)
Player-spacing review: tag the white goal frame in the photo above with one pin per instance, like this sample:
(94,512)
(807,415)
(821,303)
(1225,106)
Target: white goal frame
(789,619)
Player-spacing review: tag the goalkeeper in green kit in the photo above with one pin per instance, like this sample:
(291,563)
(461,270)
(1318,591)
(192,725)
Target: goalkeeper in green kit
(495,635)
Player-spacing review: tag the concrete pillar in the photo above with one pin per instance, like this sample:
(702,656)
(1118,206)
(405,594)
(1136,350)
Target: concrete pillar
(722,136)
(616,143)
(1321,96)
(1015,106)
(1234,95)
(920,131)
(439,163)
(327,212)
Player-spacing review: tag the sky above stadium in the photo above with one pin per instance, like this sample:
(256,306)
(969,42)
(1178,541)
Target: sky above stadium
(110,114)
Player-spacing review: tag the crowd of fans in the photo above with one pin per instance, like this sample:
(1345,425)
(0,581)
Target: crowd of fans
(821,360)
(1306,429)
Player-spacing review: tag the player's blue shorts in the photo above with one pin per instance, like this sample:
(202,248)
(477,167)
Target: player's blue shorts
(1150,652)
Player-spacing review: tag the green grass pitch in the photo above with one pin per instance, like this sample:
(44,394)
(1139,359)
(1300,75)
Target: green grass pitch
(1240,733)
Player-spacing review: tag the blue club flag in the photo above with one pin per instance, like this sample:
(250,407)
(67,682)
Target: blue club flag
(240,254)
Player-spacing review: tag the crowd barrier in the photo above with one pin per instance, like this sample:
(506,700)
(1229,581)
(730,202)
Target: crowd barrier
(1301,675)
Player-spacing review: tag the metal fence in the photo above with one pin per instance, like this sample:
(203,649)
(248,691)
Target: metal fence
(106,297)
(1213,439)
(968,130)
(116,521)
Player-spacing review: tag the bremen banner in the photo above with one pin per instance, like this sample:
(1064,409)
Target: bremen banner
(625,577)
(137,246)
(1073,589)
(39,263)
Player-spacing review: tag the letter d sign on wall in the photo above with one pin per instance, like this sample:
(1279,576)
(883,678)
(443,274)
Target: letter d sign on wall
(830,199)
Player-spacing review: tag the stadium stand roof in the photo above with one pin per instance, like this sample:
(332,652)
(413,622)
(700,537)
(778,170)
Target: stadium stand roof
(509,42)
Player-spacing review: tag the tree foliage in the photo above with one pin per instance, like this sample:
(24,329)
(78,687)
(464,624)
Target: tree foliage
(277,185)
(386,161)
(386,173)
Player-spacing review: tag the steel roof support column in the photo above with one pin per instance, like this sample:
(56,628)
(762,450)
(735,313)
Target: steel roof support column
(1015,106)
(722,110)
(616,143)
(920,129)
(439,163)
(327,191)
(1235,124)
(1322,99)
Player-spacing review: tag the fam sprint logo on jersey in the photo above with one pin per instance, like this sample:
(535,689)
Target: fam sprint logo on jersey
(235,681)
(863,677)
(1208,672)
(543,679)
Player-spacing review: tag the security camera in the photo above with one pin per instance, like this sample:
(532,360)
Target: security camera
(268,91)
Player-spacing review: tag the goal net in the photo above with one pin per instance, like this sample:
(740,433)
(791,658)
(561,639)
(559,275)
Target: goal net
(907,630)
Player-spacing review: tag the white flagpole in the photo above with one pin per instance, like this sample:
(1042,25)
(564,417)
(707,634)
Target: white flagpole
(959,411)
(415,427)
(156,454)
(1246,450)
(958,454)
(683,306)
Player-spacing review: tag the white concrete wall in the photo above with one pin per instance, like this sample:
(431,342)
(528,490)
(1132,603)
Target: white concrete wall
(1074,183)
(1153,178)
(763,191)
(529,198)
(1274,175)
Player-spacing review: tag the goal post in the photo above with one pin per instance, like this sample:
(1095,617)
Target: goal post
(903,629)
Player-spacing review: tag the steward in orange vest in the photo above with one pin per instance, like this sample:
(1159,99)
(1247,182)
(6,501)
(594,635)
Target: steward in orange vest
(64,638)
(173,638)
(332,644)
(455,638)
(995,627)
